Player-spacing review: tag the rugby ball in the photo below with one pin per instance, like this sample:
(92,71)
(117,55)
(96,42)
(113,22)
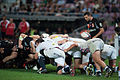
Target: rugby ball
(85,34)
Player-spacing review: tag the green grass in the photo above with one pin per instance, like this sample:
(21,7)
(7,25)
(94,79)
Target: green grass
(22,74)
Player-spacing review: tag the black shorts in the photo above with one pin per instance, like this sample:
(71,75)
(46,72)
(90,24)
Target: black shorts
(24,53)
(7,52)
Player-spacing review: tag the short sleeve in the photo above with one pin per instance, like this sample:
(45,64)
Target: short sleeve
(28,25)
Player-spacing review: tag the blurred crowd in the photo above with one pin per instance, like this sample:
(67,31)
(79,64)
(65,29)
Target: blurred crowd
(64,6)
(106,9)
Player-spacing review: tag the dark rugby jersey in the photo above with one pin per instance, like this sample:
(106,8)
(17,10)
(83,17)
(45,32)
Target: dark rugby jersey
(26,42)
(94,27)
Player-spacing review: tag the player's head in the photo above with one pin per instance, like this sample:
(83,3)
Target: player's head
(87,16)
(39,41)
(45,35)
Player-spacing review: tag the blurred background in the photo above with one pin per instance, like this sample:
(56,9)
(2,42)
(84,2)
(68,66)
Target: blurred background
(63,16)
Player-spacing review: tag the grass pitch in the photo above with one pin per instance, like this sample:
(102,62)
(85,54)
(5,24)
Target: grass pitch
(22,74)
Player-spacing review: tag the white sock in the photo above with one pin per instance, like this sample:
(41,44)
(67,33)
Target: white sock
(98,70)
(119,73)
(84,67)
(105,68)
(63,70)
(66,66)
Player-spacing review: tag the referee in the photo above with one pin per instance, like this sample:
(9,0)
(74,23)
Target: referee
(93,25)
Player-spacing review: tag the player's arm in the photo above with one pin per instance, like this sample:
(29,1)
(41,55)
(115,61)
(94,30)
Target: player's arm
(21,37)
(99,33)
(73,45)
(53,36)
(20,41)
(101,29)
(59,35)
(38,48)
(36,55)
(33,47)
(35,36)
(65,36)
(62,41)
(20,44)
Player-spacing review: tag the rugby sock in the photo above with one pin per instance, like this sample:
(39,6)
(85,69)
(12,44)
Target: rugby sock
(119,73)
(65,69)
(84,67)
(114,65)
(105,68)
(66,66)
(98,70)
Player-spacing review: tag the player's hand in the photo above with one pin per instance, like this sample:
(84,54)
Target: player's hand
(65,50)
(94,37)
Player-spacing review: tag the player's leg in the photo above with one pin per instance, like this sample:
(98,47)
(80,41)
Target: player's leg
(112,64)
(41,63)
(62,67)
(77,59)
(12,56)
(119,71)
(76,63)
(98,71)
(97,59)
(112,60)
(88,68)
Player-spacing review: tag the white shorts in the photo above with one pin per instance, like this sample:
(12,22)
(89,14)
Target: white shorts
(60,61)
(75,54)
(95,44)
(110,54)
(57,54)
(85,59)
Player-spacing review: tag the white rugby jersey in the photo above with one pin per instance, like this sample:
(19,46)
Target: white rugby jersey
(76,39)
(66,45)
(46,45)
(82,45)
(107,49)
(47,39)
(69,43)
(94,39)
(58,38)
(80,42)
